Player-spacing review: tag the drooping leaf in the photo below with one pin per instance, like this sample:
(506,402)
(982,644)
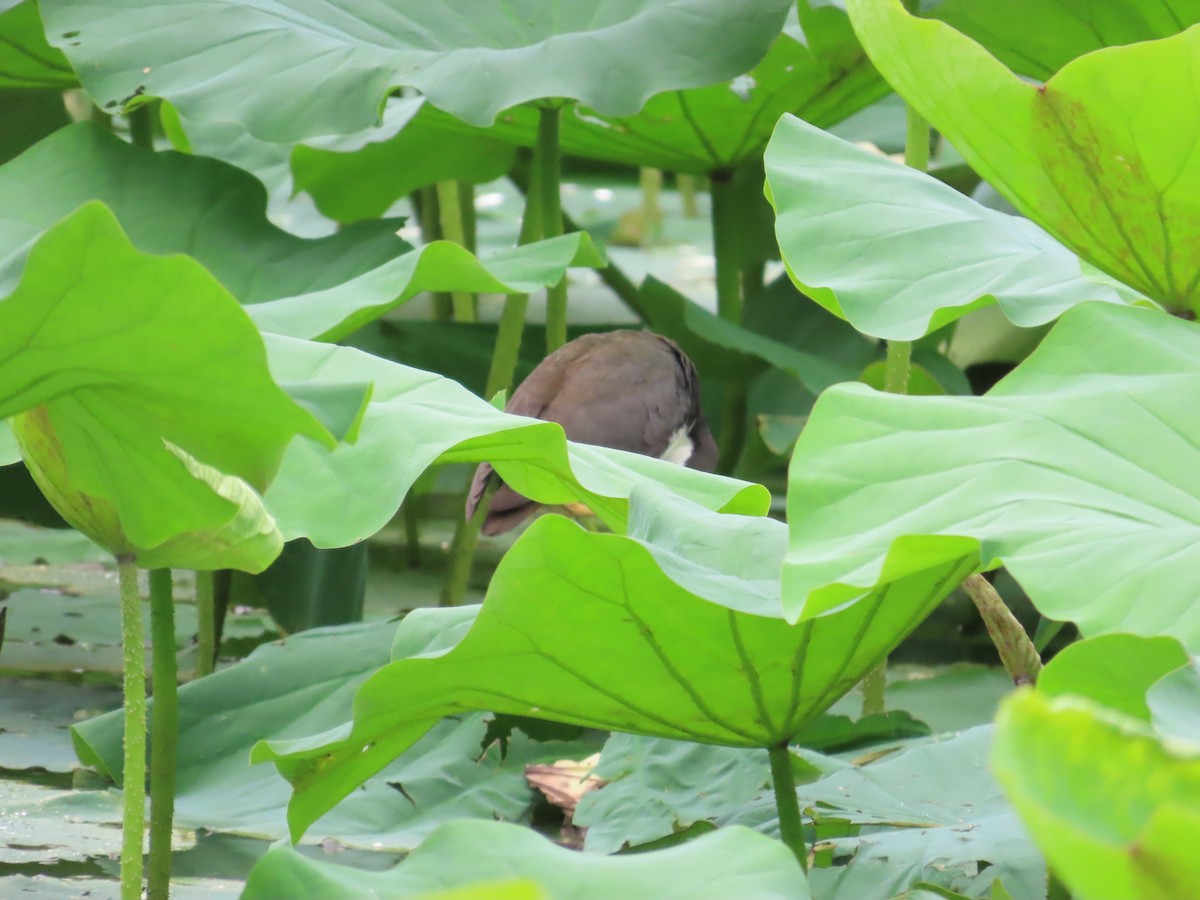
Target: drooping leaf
(1113,670)
(9,453)
(1037,39)
(937,815)
(332,314)
(734,862)
(1083,155)
(326,71)
(815,69)
(1116,810)
(1081,481)
(416,418)
(144,397)
(676,632)
(352,183)
(174,203)
(898,254)
(26,60)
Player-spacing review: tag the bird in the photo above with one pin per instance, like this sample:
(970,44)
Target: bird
(629,390)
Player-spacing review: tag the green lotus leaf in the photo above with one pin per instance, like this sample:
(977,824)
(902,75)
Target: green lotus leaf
(174,203)
(815,69)
(320,71)
(1083,155)
(1116,810)
(26,60)
(9,453)
(143,384)
(1037,39)
(336,312)
(415,418)
(676,632)
(1082,482)
(905,267)
(733,862)
(1113,670)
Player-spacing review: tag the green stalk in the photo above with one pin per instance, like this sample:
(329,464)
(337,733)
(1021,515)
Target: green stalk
(726,223)
(550,173)
(462,551)
(783,780)
(512,320)
(134,654)
(897,372)
(651,184)
(426,205)
(687,195)
(141,127)
(1017,652)
(451,220)
(164,734)
(206,624)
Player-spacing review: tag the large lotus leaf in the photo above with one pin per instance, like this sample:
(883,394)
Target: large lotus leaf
(332,314)
(326,70)
(1083,155)
(1037,39)
(734,862)
(819,73)
(1113,670)
(935,814)
(302,685)
(335,498)
(659,635)
(26,60)
(352,183)
(1116,810)
(899,254)
(1084,482)
(174,203)
(147,383)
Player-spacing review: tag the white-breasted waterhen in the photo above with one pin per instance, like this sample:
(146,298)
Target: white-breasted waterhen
(630,390)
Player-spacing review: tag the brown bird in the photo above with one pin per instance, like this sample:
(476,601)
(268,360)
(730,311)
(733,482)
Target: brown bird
(630,390)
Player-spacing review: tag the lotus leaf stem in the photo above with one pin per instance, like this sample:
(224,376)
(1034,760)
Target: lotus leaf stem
(450,218)
(134,779)
(549,164)
(783,780)
(206,624)
(164,733)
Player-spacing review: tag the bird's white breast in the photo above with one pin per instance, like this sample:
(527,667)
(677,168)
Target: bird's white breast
(679,447)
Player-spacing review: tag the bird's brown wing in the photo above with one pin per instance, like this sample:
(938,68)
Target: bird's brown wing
(507,508)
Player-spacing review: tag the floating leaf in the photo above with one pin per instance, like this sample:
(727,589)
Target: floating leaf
(905,267)
(1083,482)
(1116,811)
(937,815)
(733,862)
(1083,155)
(328,71)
